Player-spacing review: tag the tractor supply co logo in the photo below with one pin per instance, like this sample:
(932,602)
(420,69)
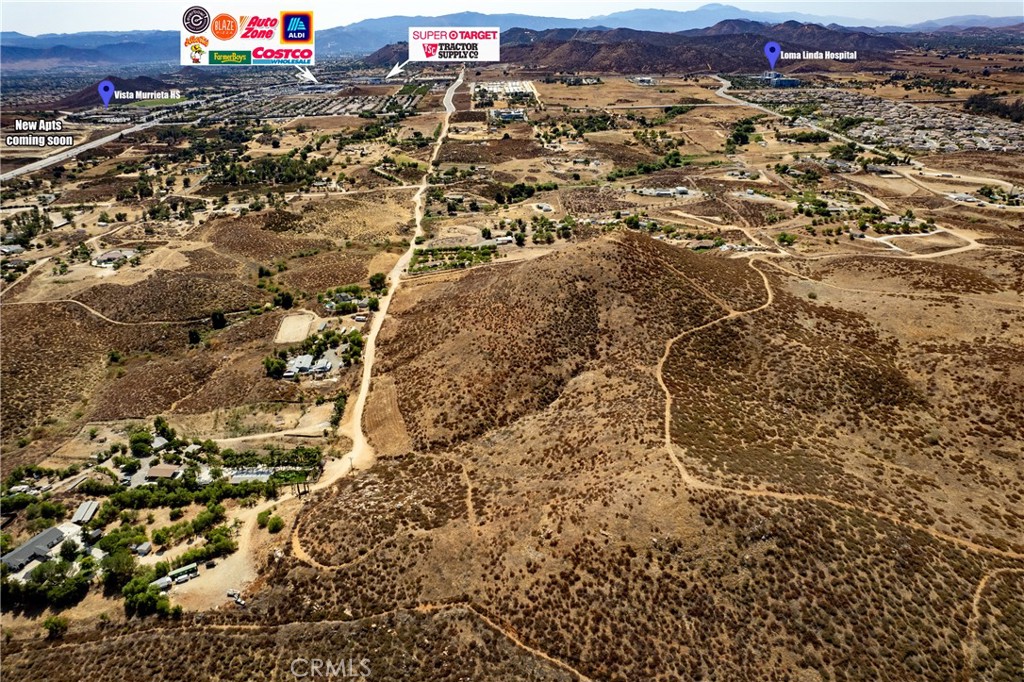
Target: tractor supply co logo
(454,44)
(196,19)
(233,57)
(267,36)
(297,27)
(195,45)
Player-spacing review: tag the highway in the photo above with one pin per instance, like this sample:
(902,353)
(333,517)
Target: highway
(72,152)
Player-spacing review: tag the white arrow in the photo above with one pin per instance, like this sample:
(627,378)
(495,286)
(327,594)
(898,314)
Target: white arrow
(305,75)
(398,68)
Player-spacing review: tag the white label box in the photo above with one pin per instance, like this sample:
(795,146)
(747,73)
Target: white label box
(454,44)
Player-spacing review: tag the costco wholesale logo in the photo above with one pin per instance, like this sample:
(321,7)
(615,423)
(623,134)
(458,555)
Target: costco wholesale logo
(297,27)
(429,50)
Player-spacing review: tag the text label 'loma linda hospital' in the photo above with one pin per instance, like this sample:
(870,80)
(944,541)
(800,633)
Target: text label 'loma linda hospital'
(826,55)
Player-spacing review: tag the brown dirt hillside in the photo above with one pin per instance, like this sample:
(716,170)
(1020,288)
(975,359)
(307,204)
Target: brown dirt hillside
(541,527)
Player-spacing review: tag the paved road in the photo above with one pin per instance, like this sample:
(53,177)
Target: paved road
(60,157)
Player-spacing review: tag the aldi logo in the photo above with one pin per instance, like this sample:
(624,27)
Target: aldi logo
(296,27)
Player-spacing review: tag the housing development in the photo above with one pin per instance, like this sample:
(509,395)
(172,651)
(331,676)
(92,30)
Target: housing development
(674,344)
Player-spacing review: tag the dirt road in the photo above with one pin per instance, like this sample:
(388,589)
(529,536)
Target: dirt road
(239,569)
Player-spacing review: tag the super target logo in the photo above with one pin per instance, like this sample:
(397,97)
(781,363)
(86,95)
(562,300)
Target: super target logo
(429,50)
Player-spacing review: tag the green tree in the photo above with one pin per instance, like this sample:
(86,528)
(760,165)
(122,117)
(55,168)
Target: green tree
(218,320)
(118,569)
(55,626)
(285,299)
(141,443)
(275,524)
(274,366)
(68,550)
(378,281)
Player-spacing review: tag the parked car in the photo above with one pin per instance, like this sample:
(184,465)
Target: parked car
(211,564)
(233,593)
(182,579)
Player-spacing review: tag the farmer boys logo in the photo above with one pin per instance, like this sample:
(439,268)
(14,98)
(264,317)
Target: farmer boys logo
(265,36)
(454,44)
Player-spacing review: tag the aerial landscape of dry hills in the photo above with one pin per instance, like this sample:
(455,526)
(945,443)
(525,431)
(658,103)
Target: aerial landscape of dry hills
(514,372)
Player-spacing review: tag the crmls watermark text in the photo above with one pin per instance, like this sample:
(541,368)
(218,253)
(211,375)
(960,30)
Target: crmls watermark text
(303,668)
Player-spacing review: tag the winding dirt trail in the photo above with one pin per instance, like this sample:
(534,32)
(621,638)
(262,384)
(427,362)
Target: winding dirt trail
(103,317)
(970,643)
(699,484)
(426,608)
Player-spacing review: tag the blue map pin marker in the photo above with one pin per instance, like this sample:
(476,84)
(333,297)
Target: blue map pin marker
(106,89)
(772,50)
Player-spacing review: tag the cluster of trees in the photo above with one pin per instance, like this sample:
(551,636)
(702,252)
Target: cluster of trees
(522,191)
(288,169)
(204,521)
(177,493)
(806,136)
(301,456)
(591,123)
(142,189)
(673,159)
(317,344)
(58,583)
(25,226)
(272,522)
(844,123)
(844,152)
(340,401)
(990,104)
(741,132)
(371,131)
(451,257)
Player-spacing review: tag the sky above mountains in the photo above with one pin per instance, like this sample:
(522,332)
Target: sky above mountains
(34,17)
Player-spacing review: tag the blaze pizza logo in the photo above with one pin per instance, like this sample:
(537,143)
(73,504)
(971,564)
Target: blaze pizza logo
(430,50)
(224,27)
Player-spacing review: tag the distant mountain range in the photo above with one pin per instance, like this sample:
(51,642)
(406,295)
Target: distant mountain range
(371,34)
(87,49)
(112,48)
(728,46)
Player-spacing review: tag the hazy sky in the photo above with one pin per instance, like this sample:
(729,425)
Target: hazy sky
(33,17)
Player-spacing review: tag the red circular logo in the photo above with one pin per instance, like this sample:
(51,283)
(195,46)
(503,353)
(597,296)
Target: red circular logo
(224,26)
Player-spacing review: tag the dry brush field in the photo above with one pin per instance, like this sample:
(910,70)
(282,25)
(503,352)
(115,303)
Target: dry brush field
(838,499)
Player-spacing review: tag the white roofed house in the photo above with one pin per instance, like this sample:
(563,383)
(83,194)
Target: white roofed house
(109,259)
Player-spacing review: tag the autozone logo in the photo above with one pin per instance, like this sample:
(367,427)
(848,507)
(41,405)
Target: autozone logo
(258,27)
(429,50)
